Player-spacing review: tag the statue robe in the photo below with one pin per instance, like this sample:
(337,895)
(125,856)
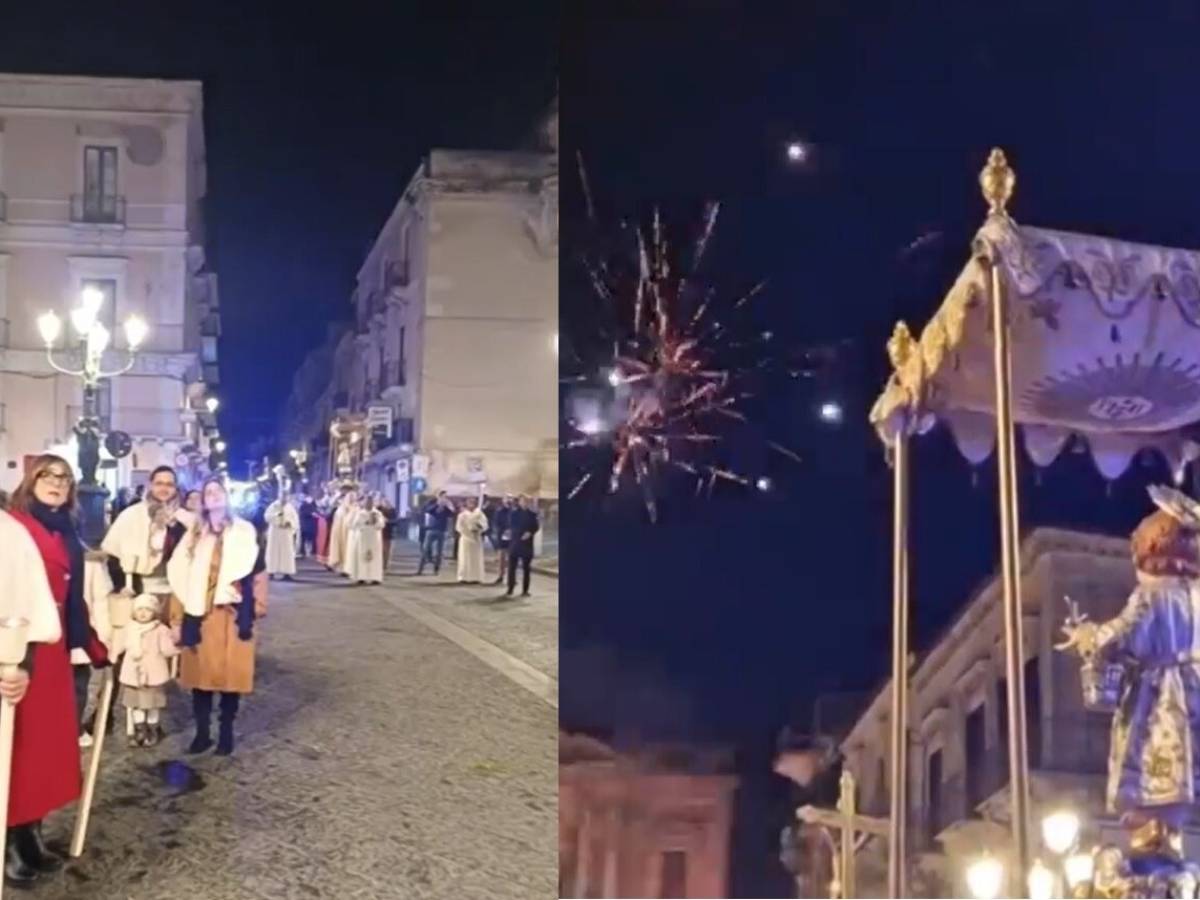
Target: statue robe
(1154,753)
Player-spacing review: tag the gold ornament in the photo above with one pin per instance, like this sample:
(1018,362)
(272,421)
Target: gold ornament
(997,181)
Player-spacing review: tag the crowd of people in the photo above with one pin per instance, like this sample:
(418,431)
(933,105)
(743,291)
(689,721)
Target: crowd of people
(173,593)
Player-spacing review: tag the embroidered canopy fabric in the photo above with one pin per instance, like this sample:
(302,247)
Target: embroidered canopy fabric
(1105,345)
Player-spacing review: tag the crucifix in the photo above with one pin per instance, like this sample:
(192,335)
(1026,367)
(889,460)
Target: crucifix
(854,831)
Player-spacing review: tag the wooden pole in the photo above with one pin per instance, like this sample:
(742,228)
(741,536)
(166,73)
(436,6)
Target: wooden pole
(846,807)
(897,839)
(1014,650)
(8,717)
(89,788)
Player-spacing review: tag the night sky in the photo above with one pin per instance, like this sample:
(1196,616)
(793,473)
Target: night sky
(725,621)
(315,122)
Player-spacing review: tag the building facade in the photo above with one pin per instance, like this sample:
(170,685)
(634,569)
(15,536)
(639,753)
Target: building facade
(958,751)
(652,824)
(102,183)
(453,353)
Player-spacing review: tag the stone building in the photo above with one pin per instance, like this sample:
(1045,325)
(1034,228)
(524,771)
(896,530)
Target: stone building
(454,342)
(958,752)
(651,824)
(102,183)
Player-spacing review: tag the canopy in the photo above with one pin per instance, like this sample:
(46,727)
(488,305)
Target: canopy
(1105,345)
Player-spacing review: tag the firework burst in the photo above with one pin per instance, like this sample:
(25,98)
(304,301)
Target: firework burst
(676,363)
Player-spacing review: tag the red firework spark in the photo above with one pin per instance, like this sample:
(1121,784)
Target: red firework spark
(674,394)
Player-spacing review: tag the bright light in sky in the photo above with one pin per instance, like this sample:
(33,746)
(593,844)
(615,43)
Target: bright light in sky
(763,484)
(796,152)
(591,426)
(831,412)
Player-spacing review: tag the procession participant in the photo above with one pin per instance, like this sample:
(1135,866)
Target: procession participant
(350,553)
(191,501)
(42,580)
(337,532)
(98,592)
(308,527)
(219,581)
(391,522)
(438,514)
(145,670)
(524,525)
(143,538)
(283,524)
(500,532)
(470,526)
(366,559)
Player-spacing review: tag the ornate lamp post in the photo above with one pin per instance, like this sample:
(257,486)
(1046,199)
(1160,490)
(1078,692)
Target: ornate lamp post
(91,340)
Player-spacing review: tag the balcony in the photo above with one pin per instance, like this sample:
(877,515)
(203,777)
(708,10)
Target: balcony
(91,209)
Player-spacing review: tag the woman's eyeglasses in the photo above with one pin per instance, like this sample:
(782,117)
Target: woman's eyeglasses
(56,477)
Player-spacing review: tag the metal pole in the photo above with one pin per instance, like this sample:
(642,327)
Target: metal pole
(846,806)
(1014,651)
(897,843)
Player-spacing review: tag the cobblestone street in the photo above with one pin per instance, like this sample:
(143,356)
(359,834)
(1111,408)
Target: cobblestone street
(401,742)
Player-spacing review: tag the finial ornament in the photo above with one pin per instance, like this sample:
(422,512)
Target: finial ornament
(900,346)
(997,181)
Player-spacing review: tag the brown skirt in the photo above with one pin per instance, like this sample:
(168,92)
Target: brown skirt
(222,661)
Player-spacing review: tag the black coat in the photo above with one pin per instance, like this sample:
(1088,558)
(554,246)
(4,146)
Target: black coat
(522,522)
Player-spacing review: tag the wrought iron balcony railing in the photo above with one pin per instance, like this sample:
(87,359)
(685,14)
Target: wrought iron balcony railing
(98,209)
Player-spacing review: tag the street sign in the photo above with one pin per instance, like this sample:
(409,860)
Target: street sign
(420,466)
(118,444)
(380,417)
(419,485)
(403,470)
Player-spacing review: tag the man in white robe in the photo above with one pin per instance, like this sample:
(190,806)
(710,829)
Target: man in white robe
(350,540)
(283,525)
(337,534)
(470,527)
(366,563)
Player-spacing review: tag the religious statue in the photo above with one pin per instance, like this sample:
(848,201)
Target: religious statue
(344,465)
(1142,666)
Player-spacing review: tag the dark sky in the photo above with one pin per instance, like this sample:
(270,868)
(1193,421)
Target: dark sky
(726,620)
(315,122)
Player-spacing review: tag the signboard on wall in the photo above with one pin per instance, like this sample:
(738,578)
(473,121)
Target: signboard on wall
(379,418)
(420,466)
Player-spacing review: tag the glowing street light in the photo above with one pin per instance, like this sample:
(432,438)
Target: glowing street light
(763,484)
(220,445)
(591,426)
(796,152)
(614,377)
(985,878)
(1060,831)
(50,327)
(1079,869)
(1041,882)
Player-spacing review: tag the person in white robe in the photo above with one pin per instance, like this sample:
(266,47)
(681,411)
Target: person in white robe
(98,594)
(351,534)
(283,526)
(366,563)
(337,534)
(470,526)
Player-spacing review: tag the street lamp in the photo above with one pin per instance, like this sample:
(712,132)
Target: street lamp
(1060,831)
(1041,881)
(92,340)
(1079,869)
(211,404)
(985,877)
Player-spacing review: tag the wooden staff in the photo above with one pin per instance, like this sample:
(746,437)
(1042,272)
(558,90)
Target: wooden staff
(13,632)
(89,788)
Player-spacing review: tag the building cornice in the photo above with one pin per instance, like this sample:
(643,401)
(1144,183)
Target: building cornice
(115,96)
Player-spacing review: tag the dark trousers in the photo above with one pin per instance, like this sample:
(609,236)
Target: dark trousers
(308,543)
(83,676)
(202,704)
(432,549)
(525,562)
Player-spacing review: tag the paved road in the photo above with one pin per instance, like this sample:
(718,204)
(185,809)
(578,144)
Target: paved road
(377,758)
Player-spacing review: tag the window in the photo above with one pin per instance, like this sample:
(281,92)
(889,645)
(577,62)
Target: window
(100,184)
(934,779)
(108,309)
(976,739)
(674,874)
(402,377)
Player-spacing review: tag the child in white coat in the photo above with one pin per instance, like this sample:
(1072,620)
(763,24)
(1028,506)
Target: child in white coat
(145,669)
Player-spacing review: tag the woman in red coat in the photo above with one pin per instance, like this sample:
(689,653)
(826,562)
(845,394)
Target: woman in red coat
(45,761)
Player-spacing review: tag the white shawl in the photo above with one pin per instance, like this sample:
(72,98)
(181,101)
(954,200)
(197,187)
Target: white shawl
(187,571)
(24,587)
(130,540)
